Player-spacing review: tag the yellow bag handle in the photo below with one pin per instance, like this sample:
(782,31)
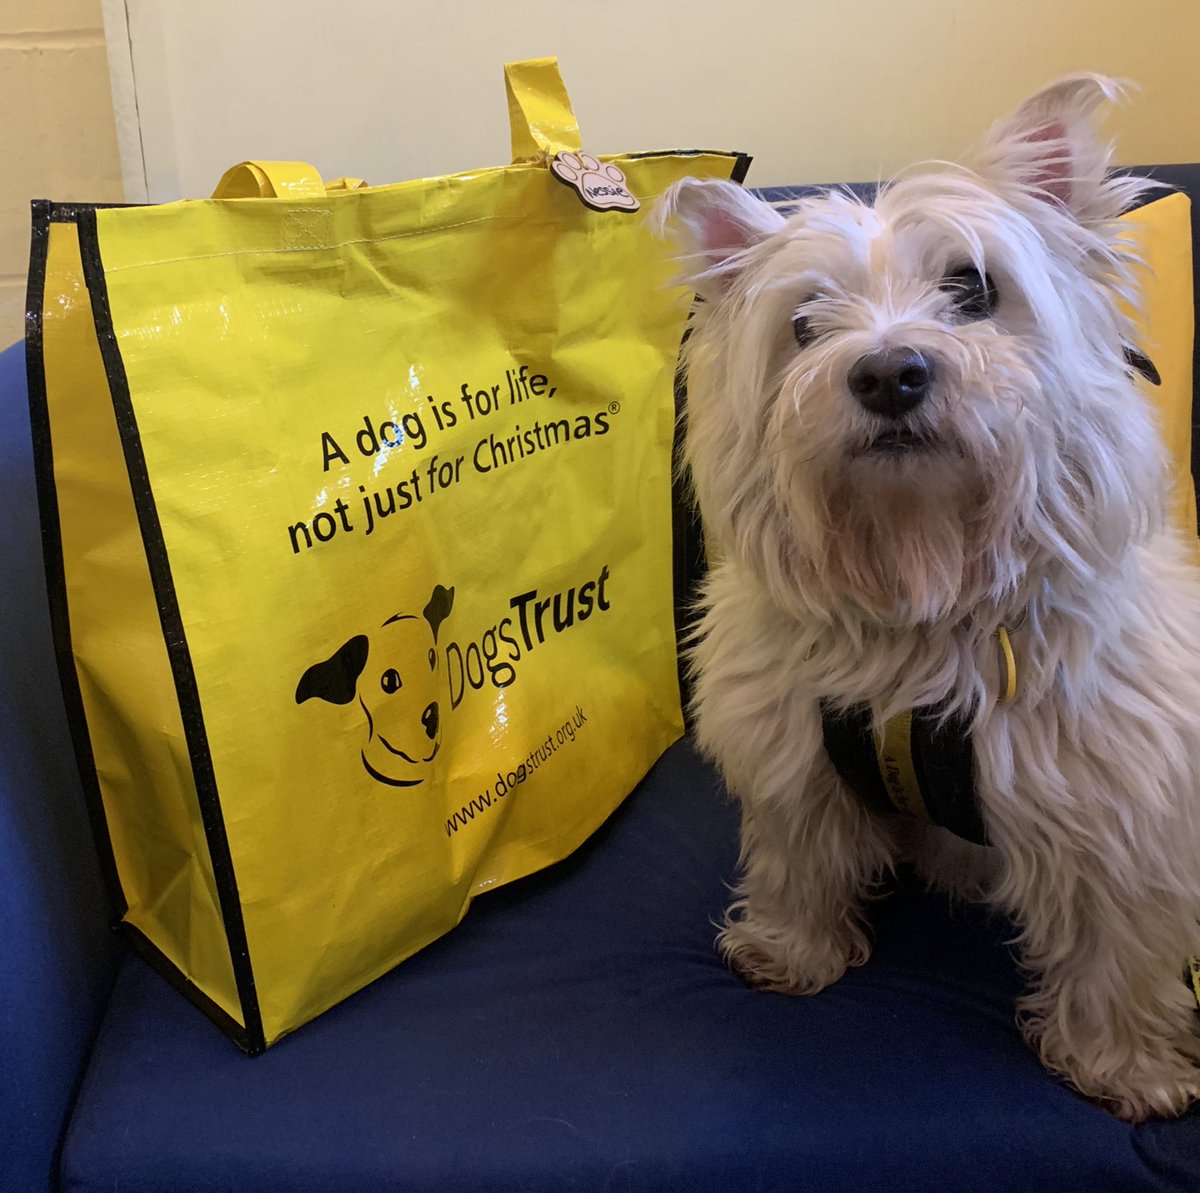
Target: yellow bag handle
(539,111)
(271,180)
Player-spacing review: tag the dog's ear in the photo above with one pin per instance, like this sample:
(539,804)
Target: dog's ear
(1051,147)
(714,223)
(438,609)
(337,677)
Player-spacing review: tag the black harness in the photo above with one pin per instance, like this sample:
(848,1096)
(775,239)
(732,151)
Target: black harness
(923,767)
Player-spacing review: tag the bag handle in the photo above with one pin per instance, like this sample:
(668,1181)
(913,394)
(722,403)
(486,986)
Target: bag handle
(539,111)
(271,180)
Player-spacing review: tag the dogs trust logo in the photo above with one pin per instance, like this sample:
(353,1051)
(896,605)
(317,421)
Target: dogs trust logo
(393,674)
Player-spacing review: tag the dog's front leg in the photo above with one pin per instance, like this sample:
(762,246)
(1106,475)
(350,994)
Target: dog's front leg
(810,849)
(810,855)
(1105,945)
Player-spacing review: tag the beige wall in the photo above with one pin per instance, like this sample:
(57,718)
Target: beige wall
(390,90)
(57,138)
(818,91)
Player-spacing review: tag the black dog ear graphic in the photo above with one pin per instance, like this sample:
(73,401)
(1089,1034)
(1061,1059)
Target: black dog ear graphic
(336,678)
(438,609)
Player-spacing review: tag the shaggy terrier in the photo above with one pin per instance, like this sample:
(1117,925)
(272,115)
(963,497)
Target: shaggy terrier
(936,500)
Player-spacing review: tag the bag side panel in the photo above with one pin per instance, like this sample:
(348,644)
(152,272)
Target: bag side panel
(411,451)
(147,792)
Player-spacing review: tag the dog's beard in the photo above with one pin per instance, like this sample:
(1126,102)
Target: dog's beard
(909,541)
(918,520)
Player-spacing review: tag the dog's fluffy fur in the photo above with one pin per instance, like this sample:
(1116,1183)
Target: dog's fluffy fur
(1036,500)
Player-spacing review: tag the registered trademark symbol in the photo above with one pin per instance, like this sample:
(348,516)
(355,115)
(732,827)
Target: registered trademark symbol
(614,407)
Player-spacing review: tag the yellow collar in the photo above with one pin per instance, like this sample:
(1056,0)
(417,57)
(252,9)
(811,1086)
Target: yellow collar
(1008,667)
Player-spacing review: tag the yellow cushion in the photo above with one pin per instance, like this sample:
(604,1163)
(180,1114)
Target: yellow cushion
(1166,327)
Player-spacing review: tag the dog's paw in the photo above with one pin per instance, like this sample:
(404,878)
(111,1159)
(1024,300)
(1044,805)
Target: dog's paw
(789,961)
(1152,1087)
(1156,1080)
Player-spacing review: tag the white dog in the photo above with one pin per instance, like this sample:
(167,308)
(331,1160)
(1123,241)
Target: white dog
(913,431)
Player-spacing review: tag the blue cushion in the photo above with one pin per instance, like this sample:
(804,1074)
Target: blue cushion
(577,1032)
(56,953)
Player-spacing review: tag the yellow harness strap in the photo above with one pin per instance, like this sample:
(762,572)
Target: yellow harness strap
(1008,667)
(895,756)
(894,753)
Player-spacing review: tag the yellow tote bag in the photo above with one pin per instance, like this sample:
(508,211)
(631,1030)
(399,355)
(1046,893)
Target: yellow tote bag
(359,523)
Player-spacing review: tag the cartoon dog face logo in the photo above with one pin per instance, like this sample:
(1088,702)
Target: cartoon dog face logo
(393,674)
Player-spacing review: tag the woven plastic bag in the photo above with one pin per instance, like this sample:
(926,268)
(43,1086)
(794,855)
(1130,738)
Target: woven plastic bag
(358,512)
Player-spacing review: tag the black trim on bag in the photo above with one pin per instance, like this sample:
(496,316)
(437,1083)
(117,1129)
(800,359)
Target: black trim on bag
(44,213)
(741,161)
(69,213)
(171,620)
(163,965)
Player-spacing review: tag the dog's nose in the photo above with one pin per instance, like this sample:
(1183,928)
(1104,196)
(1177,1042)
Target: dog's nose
(429,718)
(891,381)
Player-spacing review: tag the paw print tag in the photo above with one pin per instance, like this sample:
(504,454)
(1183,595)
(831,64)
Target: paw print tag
(601,186)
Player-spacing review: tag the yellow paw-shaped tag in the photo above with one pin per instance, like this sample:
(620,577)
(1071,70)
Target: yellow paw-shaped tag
(601,186)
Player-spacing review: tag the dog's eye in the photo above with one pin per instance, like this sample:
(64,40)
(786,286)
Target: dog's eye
(390,681)
(432,660)
(973,293)
(802,330)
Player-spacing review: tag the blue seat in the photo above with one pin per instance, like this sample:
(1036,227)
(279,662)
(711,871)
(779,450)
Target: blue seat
(56,955)
(575,1032)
